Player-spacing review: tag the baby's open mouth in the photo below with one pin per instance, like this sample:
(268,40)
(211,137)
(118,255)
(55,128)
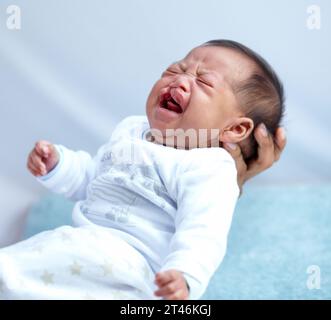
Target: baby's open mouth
(169,103)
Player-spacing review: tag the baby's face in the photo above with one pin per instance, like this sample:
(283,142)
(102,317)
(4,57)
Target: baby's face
(195,92)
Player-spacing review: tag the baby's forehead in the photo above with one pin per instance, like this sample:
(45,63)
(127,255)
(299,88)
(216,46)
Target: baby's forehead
(226,61)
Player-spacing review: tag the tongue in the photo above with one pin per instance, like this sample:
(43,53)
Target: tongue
(174,107)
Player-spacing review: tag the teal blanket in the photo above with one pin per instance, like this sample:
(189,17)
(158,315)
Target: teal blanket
(279,244)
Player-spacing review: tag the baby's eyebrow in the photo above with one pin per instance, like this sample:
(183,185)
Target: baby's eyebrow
(182,66)
(179,64)
(202,71)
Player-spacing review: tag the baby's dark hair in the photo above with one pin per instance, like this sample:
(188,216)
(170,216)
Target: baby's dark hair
(261,95)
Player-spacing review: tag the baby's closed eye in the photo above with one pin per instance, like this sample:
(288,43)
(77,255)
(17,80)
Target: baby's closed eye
(205,82)
(170,72)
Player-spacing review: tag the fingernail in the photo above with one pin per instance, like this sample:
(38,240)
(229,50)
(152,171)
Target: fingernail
(232,146)
(282,134)
(263,130)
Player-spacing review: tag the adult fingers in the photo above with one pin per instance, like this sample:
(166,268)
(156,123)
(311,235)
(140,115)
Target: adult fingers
(266,155)
(236,154)
(280,141)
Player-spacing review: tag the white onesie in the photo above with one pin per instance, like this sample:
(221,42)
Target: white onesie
(174,206)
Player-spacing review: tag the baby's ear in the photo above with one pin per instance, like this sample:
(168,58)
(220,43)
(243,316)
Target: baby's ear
(237,131)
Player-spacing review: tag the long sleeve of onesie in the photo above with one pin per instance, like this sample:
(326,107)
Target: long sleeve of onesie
(72,174)
(207,192)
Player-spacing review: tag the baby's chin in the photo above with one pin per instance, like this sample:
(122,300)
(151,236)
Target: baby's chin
(160,121)
(164,116)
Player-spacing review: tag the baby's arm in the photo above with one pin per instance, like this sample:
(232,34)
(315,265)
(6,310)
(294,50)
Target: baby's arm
(62,170)
(207,192)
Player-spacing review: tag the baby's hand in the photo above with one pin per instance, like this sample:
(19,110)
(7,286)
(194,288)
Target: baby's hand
(172,285)
(43,158)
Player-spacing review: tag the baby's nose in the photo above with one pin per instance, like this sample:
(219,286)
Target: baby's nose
(182,83)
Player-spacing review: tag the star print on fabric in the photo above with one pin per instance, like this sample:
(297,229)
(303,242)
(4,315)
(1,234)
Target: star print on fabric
(94,233)
(76,269)
(107,268)
(47,278)
(39,248)
(65,236)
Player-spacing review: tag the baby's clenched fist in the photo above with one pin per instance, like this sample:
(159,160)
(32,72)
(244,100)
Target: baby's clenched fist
(171,285)
(43,158)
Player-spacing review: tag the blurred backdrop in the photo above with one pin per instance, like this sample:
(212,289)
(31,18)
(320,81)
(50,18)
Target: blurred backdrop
(75,68)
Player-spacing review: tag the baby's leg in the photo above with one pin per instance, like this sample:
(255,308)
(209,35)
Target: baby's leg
(74,263)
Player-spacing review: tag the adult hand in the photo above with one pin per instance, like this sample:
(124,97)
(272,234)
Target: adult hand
(268,153)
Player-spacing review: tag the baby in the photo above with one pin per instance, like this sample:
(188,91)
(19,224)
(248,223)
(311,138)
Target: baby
(164,183)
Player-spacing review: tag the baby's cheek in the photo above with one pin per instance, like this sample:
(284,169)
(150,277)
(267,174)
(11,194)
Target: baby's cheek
(153,95)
